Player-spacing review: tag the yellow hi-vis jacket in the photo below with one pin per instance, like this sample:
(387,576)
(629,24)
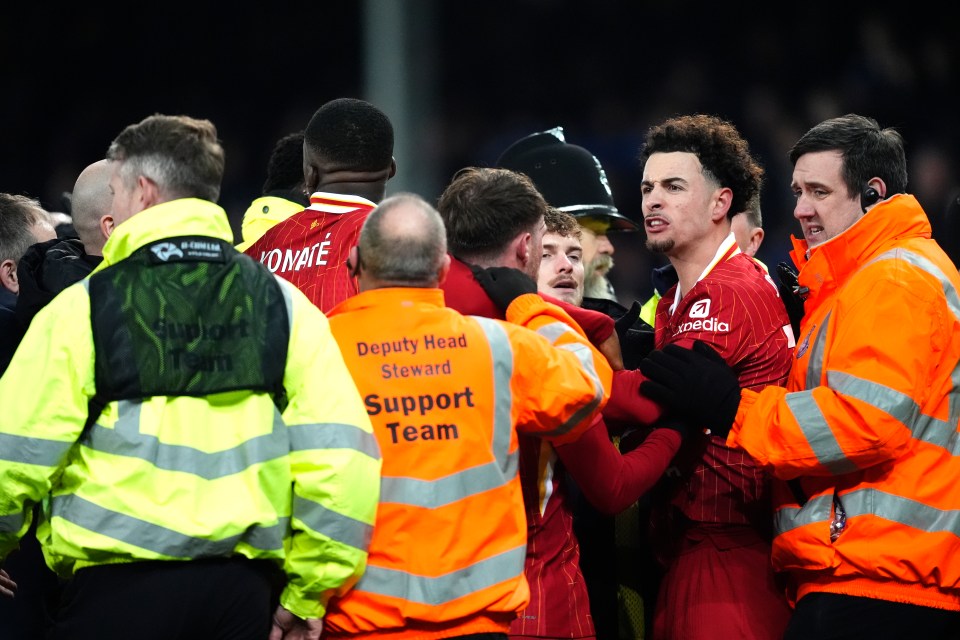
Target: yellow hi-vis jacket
(867,427)
(177,478)
(446,394)
(262,215)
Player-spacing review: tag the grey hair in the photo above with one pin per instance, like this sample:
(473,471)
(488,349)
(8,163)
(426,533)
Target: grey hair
(403,248)
(180,154)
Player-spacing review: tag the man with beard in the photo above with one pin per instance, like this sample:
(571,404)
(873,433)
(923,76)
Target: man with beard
(711,524)
(862,439)
(496,218)
(747,227)
(572,180)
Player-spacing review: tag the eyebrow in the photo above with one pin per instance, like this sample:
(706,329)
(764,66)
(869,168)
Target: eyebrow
(665,181)
(810,184)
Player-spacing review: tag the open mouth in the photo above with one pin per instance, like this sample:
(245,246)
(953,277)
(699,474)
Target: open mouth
(654,224)
(814,231)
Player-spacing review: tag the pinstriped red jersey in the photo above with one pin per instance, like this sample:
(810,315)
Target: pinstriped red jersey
(736,309)
(559,604)
(310,247)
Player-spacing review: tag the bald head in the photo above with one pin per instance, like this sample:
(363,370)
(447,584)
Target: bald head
(90,201)
(402,244)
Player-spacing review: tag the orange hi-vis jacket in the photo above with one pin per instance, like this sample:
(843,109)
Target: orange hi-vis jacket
(446,393)
(866,430)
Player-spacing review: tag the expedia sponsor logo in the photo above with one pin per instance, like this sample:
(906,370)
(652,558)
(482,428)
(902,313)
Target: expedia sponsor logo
(699,309)
(166,250)
(709,324)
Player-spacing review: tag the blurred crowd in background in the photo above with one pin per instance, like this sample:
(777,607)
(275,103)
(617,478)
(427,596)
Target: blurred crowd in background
(477,76)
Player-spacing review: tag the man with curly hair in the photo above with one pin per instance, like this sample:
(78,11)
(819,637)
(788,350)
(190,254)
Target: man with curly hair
(862,440)
(711,515)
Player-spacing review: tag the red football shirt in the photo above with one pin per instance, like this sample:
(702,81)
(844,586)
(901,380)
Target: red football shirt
(310,248)
(462,292)
(736,309)
(559,605)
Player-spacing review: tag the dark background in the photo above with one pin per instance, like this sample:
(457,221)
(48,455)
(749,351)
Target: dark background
(463,80)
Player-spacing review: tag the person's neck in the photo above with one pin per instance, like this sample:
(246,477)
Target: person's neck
(505,260)
(374,192)
(369,284)
(691,263)
(371,185)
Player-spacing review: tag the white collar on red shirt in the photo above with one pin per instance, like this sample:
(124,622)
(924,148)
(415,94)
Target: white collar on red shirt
(338,202)
(727,249)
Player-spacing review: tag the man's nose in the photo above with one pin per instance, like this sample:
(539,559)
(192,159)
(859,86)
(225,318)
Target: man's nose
(803,208)
(604,245)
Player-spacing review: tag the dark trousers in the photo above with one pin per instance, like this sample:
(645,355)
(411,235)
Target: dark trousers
(228,599)
(827,616)
(29,614)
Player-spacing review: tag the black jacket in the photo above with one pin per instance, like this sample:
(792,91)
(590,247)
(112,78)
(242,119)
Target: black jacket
(46,269)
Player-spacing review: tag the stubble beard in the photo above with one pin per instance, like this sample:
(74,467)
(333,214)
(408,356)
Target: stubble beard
(663,247)
(532,270)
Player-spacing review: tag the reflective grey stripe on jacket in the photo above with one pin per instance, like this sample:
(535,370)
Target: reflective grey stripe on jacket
(899,406)
(552,332)
(868,501)
(160,539)
(432,494)
(11,523)
(445,588)
(39,451)
(126,440)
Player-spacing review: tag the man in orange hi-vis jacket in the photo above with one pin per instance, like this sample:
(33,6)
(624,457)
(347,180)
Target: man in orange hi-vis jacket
(446,394)
(865,436)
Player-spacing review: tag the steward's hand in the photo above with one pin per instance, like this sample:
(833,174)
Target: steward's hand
(697,384)
(8,587)
(287,626)
(792,295)
(503,284)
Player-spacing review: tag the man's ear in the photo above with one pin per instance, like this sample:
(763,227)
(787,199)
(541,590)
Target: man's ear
(8,276)
(723,198)
(106,226)
(353,262)
(444,269)
(522,248)
(393,168)
(311,178)
(754,241)
(148,191)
